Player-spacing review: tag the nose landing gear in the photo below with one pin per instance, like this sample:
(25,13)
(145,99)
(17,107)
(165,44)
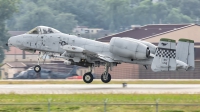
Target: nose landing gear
(37,68)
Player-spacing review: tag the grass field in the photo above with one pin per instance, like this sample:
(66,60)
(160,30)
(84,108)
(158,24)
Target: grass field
(99,82)
(86,103)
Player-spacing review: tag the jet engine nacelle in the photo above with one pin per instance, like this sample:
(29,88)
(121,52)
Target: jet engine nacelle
(151,46)
(129,48)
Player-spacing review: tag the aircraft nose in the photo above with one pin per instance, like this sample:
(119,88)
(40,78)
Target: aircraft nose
(9,41)
(12,41)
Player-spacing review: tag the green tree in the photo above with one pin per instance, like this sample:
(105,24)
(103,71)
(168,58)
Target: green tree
(173,3)
(143,13)
(118,13)
(186,7)
(108,14)
(176,17)
(7,8)
(160,12)
(147,13)
(88,12)
(190,8)
(65,22)
(38,16)
(40,13)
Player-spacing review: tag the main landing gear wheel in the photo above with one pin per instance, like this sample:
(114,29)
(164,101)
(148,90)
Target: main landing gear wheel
(105,77)
(37,68)
(88,77)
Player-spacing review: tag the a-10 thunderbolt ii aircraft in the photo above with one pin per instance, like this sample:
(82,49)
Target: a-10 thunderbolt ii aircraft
(167,56)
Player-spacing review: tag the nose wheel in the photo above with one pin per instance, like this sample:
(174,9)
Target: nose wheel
(88,77)
(37,68)
(105,77)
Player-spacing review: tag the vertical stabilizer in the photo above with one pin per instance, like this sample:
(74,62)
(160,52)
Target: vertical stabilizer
(165,56)
(185,52)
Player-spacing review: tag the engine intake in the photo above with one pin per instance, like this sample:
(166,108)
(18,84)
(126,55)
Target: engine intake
(129,48)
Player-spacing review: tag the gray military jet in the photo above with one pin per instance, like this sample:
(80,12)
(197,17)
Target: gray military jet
(167,56)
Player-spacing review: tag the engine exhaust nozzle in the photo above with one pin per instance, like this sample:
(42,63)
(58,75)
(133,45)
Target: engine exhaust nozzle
(148,53)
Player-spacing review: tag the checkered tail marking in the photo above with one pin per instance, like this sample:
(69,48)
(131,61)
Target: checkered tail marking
(167,53)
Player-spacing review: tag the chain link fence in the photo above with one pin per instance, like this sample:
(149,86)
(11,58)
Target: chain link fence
(98,107)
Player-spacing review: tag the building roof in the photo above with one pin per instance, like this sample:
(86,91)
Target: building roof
(146,31)
(17,51)
(14,33)
(175,29)
(16,65)
(81,27)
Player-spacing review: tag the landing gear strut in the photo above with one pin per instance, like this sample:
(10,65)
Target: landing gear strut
(106,77)
(88,77)
(37,67)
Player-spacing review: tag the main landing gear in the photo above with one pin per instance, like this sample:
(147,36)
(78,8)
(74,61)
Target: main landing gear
(105,77)
(88,77)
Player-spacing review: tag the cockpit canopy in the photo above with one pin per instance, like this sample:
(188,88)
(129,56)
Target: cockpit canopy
(43,30)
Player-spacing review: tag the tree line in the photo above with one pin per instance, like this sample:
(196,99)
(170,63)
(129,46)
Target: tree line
(111,15)
(7,9)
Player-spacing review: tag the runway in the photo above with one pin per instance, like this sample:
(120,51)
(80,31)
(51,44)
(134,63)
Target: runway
(100,89)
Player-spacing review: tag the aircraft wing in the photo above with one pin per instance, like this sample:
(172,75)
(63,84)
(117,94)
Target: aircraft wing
(76,49)
(105,58)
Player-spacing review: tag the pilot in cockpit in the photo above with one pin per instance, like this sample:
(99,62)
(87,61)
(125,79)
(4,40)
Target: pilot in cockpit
(43,30)
(33,31)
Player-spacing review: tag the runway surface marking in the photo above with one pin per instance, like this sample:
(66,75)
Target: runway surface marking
(100,89)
